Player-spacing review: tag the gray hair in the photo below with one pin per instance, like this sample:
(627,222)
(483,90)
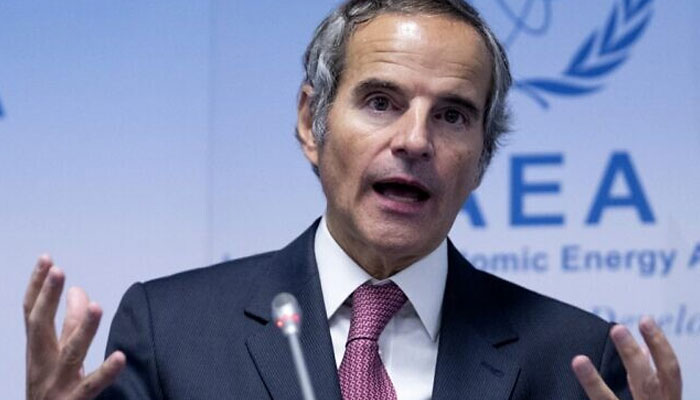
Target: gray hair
(325,56)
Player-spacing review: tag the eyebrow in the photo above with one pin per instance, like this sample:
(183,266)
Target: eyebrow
(371,84)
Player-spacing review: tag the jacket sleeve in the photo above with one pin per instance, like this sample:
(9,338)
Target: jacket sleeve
(613,371)
(132,333)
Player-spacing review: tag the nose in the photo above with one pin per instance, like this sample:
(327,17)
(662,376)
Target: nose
(412,139)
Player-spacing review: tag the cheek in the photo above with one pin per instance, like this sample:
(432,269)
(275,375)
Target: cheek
(349,152)
(463,171)
(340,173)
(471,160)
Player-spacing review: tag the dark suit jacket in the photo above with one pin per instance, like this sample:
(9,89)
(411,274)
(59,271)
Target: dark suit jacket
(206,334)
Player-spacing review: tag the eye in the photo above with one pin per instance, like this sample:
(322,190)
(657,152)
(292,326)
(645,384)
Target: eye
(379,103)
(452,116)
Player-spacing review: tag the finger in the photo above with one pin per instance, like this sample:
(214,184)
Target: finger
(40,324)
(97,381)
(76,307)
(667,365)
(35,283)
(634,394)
(590,379)
(641,376)
(75,349)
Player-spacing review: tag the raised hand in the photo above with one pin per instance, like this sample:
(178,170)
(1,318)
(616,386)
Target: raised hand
(646,382)
(54,365)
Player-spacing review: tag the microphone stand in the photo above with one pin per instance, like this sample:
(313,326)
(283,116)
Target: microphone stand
(287,315)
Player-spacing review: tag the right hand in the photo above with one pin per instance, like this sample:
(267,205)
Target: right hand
(54,365)
(660,381)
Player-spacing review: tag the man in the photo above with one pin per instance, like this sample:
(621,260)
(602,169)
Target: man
(399,115)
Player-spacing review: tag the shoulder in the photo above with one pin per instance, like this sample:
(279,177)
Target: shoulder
(527,309)
(233,272)
(532,306)
(229,285)
(541,328)
(549,332)
(197,294)
(544,334)
(529,313)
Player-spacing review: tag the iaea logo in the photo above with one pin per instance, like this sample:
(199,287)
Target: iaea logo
(600,54)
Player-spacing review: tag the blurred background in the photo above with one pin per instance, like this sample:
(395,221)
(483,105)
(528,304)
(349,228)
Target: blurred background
(139,139)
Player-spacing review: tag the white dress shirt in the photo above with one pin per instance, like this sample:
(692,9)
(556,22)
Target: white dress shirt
(408,346)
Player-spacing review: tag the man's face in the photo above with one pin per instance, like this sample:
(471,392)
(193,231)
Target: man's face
(405,133)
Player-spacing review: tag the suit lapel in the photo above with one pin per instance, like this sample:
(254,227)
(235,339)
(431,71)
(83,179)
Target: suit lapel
(293,270)
(470,365)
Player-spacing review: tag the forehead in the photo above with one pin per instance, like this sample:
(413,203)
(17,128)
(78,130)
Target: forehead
(430,52)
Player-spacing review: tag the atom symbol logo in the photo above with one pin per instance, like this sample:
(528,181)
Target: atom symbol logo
(532,17)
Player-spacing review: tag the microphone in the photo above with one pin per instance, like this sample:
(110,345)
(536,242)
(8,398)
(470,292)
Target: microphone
(287,316)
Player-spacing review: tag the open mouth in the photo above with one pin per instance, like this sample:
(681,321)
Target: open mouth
(401,191)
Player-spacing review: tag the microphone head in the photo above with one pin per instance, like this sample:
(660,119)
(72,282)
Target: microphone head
(286,313)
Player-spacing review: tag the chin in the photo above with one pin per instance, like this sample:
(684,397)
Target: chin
(402,240)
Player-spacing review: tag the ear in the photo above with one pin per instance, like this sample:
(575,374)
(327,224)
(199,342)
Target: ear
(304,125)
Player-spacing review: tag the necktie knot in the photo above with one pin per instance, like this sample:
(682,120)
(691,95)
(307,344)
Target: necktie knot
(372,308)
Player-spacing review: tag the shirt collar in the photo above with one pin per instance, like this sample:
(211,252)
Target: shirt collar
(423,282)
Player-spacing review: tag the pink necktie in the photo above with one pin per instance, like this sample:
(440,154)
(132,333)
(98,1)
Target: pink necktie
(362,374)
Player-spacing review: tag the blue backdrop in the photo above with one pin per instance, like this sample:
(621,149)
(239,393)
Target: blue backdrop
(140,139)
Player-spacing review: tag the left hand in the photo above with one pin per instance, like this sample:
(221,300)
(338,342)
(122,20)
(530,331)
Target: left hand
(645,381)
(54,364)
